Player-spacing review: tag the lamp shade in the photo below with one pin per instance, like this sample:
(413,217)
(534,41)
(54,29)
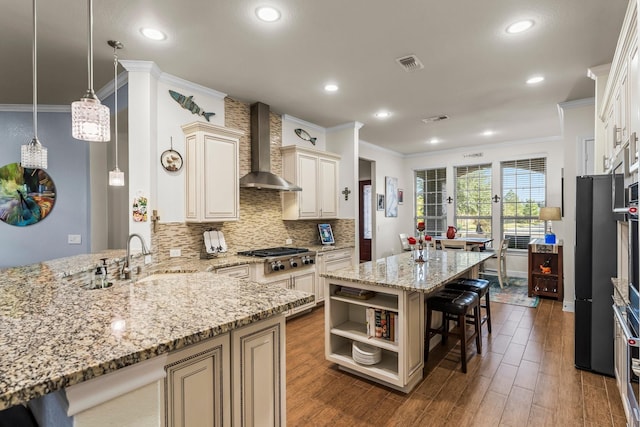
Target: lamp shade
(550,214)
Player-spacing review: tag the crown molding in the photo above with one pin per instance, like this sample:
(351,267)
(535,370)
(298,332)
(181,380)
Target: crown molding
(107,90)
(149,67)
(577,103)
(380,149)
(598,71)
(289,118)
(186,84)
(350,125)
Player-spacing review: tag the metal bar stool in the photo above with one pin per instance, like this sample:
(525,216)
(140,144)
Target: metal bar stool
(454,305)
(480,287)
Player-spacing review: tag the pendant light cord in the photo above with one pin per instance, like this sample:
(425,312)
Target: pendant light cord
(115,99)
(90,40)
(35,72)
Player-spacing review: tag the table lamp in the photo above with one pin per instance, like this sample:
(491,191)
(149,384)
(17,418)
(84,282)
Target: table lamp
(550,214)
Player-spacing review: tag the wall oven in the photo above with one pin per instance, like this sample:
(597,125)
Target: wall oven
(627,363)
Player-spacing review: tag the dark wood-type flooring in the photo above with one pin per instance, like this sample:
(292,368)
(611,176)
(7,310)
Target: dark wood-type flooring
(525,376)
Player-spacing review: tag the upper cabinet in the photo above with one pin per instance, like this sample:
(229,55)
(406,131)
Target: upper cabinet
(618,107)
(316,172)
(212,173)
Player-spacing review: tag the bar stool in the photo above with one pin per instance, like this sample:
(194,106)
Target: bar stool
(454,305)
(480,287)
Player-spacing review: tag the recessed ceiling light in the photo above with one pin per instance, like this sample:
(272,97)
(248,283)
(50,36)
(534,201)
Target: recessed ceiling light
(434,141)
(331,87)
(535,79)
(153,34)
(488,132)
(520,26)
(382,114)
(267,14)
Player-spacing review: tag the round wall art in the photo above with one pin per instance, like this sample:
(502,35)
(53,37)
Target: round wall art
(27,196)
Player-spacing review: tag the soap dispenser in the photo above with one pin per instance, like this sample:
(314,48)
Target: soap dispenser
(100,276)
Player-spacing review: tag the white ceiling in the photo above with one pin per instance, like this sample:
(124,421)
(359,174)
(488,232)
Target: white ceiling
(474,71)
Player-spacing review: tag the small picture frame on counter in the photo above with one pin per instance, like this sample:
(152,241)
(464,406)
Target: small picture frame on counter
(326,234)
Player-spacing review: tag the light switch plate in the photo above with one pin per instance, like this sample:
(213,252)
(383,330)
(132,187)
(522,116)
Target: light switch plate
(175,252)
(74,239)
(288,241)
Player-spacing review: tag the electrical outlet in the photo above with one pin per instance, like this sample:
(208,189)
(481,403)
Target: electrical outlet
(288,241)
(147,259)
(175,252)
(74,239)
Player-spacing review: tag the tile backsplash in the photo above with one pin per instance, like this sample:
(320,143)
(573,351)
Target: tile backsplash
(261,224)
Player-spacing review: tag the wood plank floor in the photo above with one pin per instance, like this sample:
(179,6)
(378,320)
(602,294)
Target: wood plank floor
(524,377)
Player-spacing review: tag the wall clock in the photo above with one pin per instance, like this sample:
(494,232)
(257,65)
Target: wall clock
(27,196)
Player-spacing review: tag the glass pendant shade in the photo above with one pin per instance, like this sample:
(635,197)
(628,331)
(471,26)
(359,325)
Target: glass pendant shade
(116,178)
(33,155)
(90,120)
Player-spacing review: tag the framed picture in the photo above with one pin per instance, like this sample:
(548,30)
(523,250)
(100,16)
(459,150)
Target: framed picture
(400,196)
(391,197)
(380,202)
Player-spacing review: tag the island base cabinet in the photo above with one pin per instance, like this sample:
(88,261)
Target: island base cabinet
(197,385)
(347,319)
(258,352)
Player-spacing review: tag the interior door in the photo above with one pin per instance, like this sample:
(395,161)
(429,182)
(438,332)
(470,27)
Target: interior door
(365,222)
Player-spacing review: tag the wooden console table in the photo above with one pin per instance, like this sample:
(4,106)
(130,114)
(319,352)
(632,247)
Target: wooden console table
(550,283)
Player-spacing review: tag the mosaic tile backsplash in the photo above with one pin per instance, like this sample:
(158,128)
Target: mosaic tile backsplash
(260,223)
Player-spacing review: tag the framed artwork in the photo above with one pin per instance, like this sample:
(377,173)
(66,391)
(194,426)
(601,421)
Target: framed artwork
(27,196)
(391,197)
(380,202)
(400,196)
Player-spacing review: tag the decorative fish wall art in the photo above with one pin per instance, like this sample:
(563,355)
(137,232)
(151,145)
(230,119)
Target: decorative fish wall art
(187,103)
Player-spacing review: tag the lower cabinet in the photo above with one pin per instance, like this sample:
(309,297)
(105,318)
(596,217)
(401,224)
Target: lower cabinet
(197,385)
(238,271)
(259,374)
(301,281)
(331,261)
(237,379)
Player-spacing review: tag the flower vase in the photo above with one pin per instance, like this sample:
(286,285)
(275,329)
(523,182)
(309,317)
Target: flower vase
(419,256)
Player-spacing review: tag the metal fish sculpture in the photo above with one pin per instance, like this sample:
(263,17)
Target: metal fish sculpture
(187,103)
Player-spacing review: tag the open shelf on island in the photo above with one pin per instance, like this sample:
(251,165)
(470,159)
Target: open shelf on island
(358,332)
(386,369)
(383,301)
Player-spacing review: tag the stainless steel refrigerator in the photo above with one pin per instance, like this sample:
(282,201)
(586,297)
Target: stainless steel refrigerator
(595,265)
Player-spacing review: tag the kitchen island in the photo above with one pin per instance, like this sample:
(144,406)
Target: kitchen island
(390,291)
(103,352)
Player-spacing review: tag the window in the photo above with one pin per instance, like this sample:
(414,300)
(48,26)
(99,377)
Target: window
(473,199)
(431,196)
(523,193)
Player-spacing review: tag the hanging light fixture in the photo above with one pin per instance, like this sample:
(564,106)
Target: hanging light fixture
(34,155)
(89,118)
(116,176)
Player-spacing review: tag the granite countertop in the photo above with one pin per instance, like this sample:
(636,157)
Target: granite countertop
(402,272)
(54,333)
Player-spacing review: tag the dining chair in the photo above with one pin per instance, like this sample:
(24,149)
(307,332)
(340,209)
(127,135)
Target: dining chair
(453,244)
(502,263)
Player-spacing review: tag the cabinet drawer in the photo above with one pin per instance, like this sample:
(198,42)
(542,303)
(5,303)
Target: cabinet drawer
(238,271)
(338,254)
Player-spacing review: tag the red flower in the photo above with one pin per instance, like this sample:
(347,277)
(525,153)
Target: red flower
(421,226)
(411,240)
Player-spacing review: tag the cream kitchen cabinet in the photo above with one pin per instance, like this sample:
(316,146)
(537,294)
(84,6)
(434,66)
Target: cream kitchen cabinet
(316,172)
(301,281)
(259,374)
(197,385)
(331,261)
(238,271)
(212,172)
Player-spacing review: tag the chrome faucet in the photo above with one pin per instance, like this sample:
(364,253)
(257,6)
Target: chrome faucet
(125,272)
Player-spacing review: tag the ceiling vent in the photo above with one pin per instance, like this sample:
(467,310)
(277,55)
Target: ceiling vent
(410,63)
(434,119)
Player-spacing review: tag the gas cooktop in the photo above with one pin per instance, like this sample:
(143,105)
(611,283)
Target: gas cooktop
(274,252)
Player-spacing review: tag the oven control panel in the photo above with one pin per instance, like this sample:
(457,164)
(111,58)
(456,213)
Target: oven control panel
(295,262)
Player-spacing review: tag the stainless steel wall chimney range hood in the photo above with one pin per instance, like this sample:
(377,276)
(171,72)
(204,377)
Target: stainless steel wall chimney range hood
(260,175)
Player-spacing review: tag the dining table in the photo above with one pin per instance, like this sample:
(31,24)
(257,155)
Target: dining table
(476,243)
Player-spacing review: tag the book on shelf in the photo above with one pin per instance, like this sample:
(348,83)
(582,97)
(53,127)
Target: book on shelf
(381,324)
(347,291)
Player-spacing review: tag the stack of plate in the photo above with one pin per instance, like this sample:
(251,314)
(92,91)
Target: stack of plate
(365,354)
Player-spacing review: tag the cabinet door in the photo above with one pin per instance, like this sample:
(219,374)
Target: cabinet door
(220,183)
(258,374)
(307,180)
(328,188)
(197,386)
(307,283)
(331,262)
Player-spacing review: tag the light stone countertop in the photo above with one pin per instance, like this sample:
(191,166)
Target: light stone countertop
(54,333)
(402,272)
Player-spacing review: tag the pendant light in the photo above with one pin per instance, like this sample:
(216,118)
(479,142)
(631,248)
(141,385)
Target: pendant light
(116,176)
(34,155)
(89,118)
